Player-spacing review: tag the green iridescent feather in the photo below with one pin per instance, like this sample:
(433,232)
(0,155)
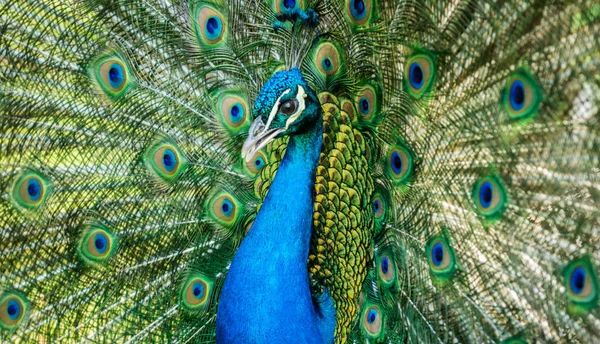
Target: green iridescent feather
(470,124)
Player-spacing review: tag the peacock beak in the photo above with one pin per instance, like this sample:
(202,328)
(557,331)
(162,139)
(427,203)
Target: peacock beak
(259,136)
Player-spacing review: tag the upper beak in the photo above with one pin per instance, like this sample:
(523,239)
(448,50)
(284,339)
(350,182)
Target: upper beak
(258,137)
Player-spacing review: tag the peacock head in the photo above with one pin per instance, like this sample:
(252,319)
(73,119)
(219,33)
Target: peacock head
(286,105)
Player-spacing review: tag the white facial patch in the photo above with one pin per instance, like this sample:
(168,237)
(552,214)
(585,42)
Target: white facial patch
(300,97)
(276,108)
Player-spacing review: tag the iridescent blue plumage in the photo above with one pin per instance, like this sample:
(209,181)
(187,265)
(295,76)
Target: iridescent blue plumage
(269,269)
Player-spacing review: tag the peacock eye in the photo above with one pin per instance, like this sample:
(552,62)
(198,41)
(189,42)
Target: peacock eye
(288,107)
(14,308)
(195,293)
(442,262)
(581,283)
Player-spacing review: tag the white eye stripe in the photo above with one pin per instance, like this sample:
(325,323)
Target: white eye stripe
(276,108)
(300,96)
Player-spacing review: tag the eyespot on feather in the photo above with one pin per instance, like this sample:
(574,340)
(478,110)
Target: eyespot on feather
(441,259)
(165,160)
(225,209)
(327,59)
(372,321)
(211,26)
(359,12)
(368,101)
(386,268)
(522,96)
(256,164)
(489,196)
(30,190)
(581,283)
(400,163)
(196,292)
(97,245)
(112,75)
(419,74)
(232,110)
(14,310)
(280,6)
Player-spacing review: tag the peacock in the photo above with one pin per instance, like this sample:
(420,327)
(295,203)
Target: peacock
(299,171)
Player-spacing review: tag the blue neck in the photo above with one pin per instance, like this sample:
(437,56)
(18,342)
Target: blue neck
(266,297)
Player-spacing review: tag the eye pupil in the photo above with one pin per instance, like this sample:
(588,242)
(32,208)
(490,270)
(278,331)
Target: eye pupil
(578,280)
(99,243)
(396,162)
(212,25)
(416,75)
(288,108)
(517,95)
(486,194)
(385,265)
(198,290)
(33,189)
(372,316)
(12,310)
(437,254)
(289,4)
(114,75)
(359,6)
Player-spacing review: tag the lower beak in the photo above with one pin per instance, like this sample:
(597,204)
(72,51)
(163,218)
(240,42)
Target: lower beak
(258,137)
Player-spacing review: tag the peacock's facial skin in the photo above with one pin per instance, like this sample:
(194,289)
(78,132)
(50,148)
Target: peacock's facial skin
(286,105)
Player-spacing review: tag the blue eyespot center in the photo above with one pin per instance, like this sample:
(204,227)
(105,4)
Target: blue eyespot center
(289,4)
(358,9)
(100,243)
(372,316)
(236,113)
(227,207)
(327,63)
(258,162)
(517,95)
(376,206)
(212,25)
(396,163)
(416,75)
(486,193)
(34,189)
(437,254)
(115,75)
(364,105)
(198,290)
(578,278)
(169,160)
(385,265)
(13,309)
